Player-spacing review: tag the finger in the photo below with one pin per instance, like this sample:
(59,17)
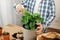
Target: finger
(20,10)
(39,28)
(38,32)
(38,23)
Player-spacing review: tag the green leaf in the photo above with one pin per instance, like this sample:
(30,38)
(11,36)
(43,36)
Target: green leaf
(27,26)
(24,19)
(32,24)
(33,28)
(5,33)
(39,20)
(26,13)
(35,14)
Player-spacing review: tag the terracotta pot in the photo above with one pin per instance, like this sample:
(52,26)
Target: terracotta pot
(6,37)
(0,31)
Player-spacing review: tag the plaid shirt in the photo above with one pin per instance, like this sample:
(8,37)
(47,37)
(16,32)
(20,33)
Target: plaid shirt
(46,9)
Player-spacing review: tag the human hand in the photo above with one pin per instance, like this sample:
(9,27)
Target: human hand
(39,29)
(19,8)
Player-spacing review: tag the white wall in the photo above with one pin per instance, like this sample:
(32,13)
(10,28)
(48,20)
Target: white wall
(6,13)
(0,18)
(56,23)
(16,18)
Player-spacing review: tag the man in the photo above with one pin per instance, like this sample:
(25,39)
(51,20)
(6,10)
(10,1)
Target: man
(46,8)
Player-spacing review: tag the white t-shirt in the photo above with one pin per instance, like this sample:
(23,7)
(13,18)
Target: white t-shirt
(36,6)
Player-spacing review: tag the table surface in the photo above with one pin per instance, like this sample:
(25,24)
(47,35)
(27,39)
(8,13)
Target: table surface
(49,35)
(12,29)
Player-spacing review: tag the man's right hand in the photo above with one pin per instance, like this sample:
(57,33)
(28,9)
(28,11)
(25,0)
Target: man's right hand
(19,8)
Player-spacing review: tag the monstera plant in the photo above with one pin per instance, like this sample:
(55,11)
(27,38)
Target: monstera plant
(29,20)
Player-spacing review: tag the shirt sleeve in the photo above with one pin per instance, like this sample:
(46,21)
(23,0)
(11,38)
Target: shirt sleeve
(23,3)
(52,13)
(51,16)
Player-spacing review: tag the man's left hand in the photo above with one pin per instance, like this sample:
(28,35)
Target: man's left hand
(39,29)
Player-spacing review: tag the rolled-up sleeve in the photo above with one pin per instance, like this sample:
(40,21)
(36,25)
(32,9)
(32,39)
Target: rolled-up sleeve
(50,14)
(20,3)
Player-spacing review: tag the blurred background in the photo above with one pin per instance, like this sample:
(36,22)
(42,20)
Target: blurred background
(8,13)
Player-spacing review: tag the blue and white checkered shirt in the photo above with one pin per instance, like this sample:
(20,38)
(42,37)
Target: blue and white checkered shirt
(46,9)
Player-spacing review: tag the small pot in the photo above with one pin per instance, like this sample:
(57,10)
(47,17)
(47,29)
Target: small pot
(6,37)
(0,31)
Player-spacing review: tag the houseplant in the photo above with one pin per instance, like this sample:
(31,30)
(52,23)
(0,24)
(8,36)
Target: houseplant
(29,21)
(6,36)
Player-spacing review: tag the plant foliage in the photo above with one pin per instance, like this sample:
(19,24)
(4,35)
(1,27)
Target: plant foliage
(29,20)
(5,33)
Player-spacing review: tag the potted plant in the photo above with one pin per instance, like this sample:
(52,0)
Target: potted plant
(29,21)
(6,36)
(0,31)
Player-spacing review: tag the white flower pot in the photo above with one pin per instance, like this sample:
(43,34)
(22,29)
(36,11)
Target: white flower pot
(28,34)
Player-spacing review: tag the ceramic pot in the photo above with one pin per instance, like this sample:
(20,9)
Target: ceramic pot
(28,34)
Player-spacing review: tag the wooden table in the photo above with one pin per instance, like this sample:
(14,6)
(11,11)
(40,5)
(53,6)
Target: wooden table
(12,29)
(49,36)
(49,30)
